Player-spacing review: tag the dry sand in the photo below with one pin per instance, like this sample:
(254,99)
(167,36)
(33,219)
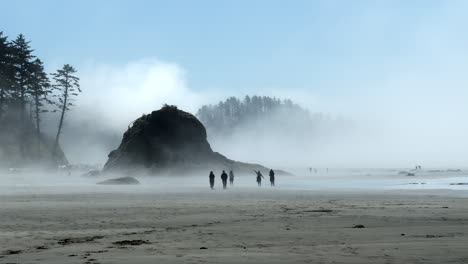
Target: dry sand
(235,226)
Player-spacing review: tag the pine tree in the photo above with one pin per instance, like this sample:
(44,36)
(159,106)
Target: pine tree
(39,89)
(67,85)
(7,74)
(22,62)
(4,64)
(22,65)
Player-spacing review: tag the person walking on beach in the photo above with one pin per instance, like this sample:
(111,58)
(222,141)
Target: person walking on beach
(212,177)
(224,177)
(272,177)
(259,178)
(231,177)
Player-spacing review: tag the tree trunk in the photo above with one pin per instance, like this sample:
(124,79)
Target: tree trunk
(64,109)
(38,121)
(2,101)
(22,105)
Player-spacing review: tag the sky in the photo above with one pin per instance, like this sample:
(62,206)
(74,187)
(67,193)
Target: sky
(402,63)
(328,47)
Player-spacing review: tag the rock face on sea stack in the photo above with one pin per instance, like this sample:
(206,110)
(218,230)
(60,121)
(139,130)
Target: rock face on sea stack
(170,141)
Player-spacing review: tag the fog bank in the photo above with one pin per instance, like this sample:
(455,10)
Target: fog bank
(398,123)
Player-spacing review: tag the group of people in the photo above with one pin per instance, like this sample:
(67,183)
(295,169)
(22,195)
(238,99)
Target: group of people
(224,178)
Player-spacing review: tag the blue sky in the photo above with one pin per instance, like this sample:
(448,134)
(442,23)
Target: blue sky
(326,47)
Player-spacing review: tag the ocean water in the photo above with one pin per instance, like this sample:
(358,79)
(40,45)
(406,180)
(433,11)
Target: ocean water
(379,182)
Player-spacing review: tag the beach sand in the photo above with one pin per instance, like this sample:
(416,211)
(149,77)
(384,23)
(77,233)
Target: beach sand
(244,225)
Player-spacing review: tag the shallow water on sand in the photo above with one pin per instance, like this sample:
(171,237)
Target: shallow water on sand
(332,180)
(371,182)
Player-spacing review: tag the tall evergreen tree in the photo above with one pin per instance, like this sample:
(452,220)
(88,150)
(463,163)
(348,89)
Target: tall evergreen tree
(7,73)
(22,63)
(67,85)
(39,89)
(4,62)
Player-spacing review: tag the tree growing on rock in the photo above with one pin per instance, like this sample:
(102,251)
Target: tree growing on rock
(67,87)
(25,92)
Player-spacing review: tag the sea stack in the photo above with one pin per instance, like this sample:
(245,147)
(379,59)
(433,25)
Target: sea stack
(169,141)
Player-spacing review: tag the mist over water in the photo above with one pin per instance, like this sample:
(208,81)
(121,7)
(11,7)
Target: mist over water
(400,123)
(37,182)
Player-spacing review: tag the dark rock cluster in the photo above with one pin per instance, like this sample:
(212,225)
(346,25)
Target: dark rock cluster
(21,147)
(120,181)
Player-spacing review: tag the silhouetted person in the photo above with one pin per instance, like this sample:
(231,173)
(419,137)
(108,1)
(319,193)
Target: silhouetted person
(259,178)
(212,177)
(224,177)
(231,177)
(272,177)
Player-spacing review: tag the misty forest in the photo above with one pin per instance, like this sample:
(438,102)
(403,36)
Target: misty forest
(27,93)
(228,116)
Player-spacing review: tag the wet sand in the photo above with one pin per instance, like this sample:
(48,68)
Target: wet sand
(235,226)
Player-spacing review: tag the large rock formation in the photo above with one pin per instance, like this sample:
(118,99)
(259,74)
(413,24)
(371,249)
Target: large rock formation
(170,141)
(20,147)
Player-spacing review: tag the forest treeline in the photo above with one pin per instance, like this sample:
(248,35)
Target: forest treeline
(27,92)
(233,112)
(270,130)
